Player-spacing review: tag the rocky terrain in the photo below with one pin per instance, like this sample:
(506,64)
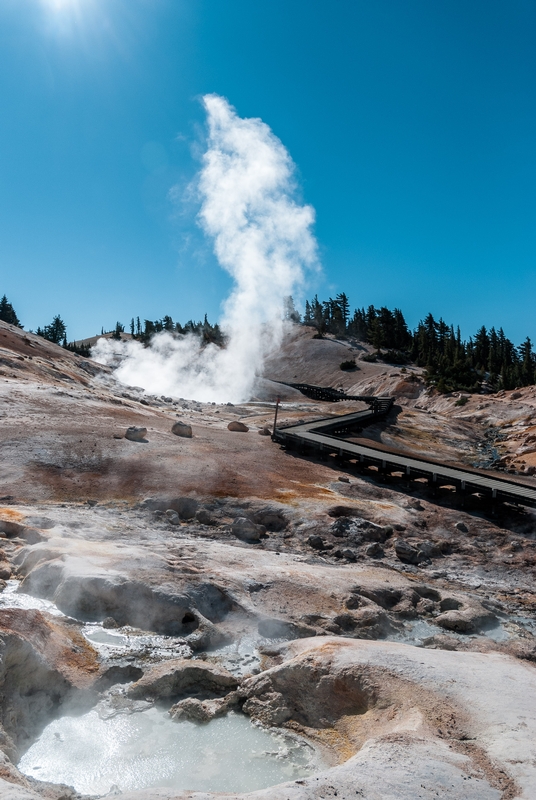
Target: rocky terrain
(393,629)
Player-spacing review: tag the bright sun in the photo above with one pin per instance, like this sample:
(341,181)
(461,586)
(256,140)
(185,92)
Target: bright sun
(59,5)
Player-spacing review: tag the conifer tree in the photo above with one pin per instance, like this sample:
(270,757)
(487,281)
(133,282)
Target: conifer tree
(55,332)
(7,313)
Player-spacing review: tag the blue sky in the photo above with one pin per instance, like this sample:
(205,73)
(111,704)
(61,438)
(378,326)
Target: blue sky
(412,124)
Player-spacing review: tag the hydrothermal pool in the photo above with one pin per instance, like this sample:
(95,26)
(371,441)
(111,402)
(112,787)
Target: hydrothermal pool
(146,749)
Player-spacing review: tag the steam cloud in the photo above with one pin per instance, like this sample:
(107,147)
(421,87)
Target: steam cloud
(262,237)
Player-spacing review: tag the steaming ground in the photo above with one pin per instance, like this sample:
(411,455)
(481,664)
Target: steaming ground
(417,675)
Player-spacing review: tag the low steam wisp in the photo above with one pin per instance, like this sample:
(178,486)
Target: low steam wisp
(262,238)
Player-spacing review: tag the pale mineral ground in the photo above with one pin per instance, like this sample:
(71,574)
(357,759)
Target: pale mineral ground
(256,602)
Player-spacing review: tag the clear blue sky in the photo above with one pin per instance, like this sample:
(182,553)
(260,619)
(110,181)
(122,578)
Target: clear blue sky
(412,123)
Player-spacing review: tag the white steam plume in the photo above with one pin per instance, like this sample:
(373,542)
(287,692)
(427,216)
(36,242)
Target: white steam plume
(262,237)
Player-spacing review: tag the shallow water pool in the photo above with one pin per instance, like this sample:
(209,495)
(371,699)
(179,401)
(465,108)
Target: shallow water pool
(147,749)
(11,597)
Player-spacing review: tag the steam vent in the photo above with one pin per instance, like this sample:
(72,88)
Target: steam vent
(341,608)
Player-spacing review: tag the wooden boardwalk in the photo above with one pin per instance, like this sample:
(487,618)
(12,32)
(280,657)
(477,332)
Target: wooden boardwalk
(324,437)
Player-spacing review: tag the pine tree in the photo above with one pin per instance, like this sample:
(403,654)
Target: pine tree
(319,320)
(7,313)
(290,311)
(55,332)
(527,363)
(344,305)
(118,330)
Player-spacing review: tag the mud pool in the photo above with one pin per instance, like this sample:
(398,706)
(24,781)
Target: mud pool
(95,753)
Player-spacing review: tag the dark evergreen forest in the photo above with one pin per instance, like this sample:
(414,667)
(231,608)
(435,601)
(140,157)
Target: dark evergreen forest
(488,360)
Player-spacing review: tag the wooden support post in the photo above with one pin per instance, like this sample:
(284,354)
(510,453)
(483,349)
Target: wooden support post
(382,472)
(278,400)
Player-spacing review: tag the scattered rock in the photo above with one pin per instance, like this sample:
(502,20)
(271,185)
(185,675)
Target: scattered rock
(173,517)
(462,527)
(205,517)
(342,527)
(195,710)
(155,504)
(316,542)
(272,518)
(109,622)
(118,436)
(455,621)
(135,434)
(342,511)
(375,550)
(464,618)
(405,552)
(264,431)
(430,550)
(343,479)
(237,426)
(246,530)
(186,507)
(182,429)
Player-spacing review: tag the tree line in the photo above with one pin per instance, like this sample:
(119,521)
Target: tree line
(207,332)
(56,330)
(486,360)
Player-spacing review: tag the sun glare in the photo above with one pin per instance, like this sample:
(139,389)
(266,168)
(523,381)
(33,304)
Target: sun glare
(61,5)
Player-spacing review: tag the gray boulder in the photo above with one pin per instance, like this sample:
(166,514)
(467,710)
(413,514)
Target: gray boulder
(135,434)
(246,530)
(405,552)
(205,517)
(237,426)
(316,542)
(272,518)
(182,429)
(375,550)
(186,507)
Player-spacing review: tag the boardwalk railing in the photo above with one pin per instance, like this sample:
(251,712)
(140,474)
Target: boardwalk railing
(323,437)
